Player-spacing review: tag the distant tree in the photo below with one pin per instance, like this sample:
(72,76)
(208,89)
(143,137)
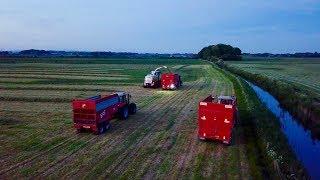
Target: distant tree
(4,53)
(220,51)
(237,51)
(34,53)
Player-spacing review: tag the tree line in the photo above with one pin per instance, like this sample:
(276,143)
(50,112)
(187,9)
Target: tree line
(220,51)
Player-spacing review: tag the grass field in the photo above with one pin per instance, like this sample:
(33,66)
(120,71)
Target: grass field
(37,138)
(303,72)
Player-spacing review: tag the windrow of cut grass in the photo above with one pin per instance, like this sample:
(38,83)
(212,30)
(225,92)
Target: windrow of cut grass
(143,146)
(34,142)
(113,138)
(21,74)
(159,142)
(62,87)
(36,100)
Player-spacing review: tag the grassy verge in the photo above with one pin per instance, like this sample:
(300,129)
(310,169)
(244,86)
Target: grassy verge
(302,103)
(267,146)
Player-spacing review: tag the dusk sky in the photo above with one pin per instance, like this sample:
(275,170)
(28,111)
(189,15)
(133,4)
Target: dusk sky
(163,26)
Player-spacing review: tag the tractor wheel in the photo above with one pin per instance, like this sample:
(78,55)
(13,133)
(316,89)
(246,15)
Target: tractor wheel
(132,108)
(124,113)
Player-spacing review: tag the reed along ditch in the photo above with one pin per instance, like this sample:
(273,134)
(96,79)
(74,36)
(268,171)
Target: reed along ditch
(300,140)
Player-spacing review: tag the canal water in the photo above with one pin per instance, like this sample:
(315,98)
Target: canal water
(306,149)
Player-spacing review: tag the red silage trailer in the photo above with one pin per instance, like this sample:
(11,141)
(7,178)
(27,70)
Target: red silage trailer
(216,118)
(96,112)
(170,81)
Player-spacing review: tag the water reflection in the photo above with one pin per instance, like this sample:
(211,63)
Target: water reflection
(300,139)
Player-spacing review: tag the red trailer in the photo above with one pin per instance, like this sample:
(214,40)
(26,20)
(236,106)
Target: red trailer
(170,81)
(216,118)
(95,113)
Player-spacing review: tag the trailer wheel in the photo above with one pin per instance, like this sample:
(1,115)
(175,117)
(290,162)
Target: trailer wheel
(124,113)
(79,130)
(100,129)
(232,138)
(107,126)
(132,108)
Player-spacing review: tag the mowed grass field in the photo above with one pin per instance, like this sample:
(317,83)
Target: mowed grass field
(37,138)
(302,72)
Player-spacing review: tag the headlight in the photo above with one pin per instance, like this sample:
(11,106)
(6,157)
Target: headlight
(172,86)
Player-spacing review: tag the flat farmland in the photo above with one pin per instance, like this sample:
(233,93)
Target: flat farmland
(302,72)
(37,137)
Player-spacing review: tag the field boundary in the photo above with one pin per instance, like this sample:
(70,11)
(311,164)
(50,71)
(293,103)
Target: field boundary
(270,139)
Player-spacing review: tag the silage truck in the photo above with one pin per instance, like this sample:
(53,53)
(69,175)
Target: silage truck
(95,113)
(216,118)
(170,81)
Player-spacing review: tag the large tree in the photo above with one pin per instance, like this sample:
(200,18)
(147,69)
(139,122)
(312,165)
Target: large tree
(220,51)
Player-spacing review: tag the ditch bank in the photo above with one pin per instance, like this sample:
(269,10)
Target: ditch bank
(303,104)
(305,148)
(267,147)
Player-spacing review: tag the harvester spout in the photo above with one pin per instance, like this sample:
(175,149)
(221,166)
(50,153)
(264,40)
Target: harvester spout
(161,68)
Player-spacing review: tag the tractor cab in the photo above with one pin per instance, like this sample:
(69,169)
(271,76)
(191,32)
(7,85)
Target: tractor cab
(124,97)
(227,100)
(156,73)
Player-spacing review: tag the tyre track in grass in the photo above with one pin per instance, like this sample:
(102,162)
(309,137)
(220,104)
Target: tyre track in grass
(73,153)
(185,159)
(211,148)
(220,154)
(165,110)
(38,163)
(64,142)
(173,135)
(232,153)
(258,165)
(28,161)
(180,150)
(228,153)
(186,156)
(38,155)
(9,159)
(204,147)
(114,141)
(33,158)
(160,143)
(46,140)
(244,170)
(61,145)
